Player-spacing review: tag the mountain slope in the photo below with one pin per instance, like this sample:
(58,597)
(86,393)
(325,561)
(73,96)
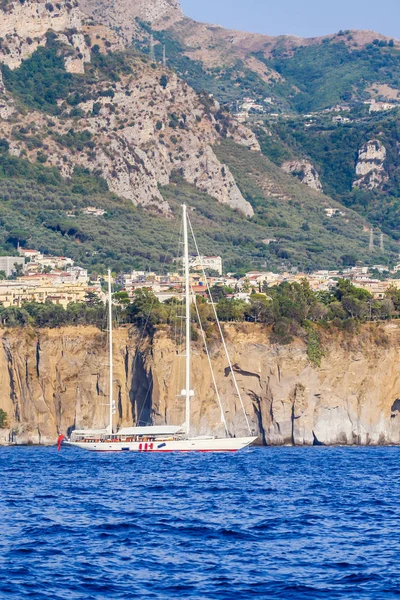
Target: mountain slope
(233,64)
(85,121)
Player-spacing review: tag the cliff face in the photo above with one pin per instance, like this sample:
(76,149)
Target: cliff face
(121,14)
(370,167)
(23,26)
(55,380)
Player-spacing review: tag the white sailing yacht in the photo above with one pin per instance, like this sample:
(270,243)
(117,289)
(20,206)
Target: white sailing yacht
(165,438)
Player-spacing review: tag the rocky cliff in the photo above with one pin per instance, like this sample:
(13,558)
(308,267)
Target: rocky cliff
(54,380)
(122,15)
(370,169)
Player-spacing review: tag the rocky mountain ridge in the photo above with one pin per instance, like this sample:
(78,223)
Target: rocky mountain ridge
(75,100)
(122,17)
(136,145)
(54,380)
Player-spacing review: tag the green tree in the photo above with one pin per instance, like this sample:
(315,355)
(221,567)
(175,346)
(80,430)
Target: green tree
(3,419)
(121,298)
(146,310)
(231,310)
(261,309)
(164,81)
(346,288)
(92,299)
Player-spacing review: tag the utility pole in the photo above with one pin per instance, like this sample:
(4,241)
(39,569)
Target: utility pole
(164,57)
(152,53)
(371,239)
(382,245)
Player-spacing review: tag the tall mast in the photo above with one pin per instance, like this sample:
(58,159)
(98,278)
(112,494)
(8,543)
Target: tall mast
(110,329)
(188,392)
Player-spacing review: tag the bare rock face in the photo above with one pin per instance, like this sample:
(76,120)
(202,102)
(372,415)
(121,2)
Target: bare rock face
(370,168)
(138,145)
(24,26)
(122,14)
(6,103)
(55,380)
(305,172)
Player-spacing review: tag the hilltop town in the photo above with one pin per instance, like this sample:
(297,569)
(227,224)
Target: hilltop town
(34,277)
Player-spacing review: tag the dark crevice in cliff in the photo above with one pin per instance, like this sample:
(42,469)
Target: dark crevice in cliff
(141,392)
(237,369)
(316,441)
(258,412)
(297,395)
(293,419)
(395,408)
(126,363)
(38,358)
(119,403)
(27,372)
(13,394)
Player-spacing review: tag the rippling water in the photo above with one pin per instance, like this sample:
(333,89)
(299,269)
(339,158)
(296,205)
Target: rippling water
(265,523)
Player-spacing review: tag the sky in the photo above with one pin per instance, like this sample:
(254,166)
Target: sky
(305,18)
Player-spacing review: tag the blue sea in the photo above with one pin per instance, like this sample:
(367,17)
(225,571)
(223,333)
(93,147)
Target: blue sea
(265,523)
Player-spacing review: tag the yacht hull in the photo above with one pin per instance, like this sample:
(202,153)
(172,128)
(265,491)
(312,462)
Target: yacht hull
(190,445)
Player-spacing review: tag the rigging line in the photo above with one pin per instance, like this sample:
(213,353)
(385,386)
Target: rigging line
(177,323)
(163,263)
(220,332)
(210,365)
(143,405)
(169,245)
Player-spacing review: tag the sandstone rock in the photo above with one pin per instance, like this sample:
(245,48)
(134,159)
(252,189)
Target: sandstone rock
(54,380)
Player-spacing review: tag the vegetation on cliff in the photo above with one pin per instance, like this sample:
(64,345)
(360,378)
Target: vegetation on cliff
(35,198)
(42,80)
(290,310)
(3,419)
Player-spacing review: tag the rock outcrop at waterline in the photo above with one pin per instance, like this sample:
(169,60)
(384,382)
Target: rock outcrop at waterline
(54,380)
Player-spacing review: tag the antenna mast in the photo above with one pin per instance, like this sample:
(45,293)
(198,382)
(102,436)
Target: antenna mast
(152,52)
(110,329)
(371,238)
(187,391)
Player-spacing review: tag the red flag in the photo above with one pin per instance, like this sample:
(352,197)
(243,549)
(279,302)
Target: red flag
(60,439)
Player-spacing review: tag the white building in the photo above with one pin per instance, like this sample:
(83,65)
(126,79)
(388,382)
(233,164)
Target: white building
(7,264)
(198,263)
(375,106)
(332,212)
(93,211)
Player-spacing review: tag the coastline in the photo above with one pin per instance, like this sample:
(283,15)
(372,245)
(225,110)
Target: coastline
(54,380)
